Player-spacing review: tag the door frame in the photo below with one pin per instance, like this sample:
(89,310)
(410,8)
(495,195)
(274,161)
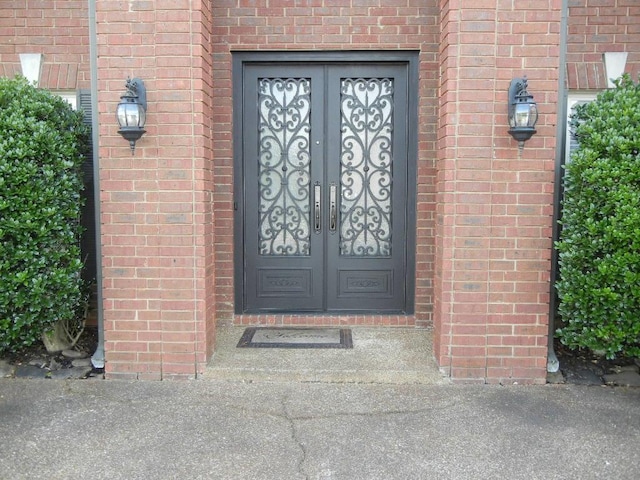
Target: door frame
(240,60)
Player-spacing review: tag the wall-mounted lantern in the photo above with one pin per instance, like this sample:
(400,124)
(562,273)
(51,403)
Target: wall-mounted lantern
(523,112)
(132,112)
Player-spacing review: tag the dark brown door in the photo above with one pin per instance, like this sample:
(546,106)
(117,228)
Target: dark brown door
(324,165)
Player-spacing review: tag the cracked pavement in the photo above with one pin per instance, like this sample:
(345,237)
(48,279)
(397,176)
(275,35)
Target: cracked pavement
(66,429)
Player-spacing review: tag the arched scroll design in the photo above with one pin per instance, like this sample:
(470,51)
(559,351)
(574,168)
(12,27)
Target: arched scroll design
(366,154)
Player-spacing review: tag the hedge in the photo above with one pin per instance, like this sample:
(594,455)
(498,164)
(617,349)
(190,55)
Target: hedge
(42,142)
(599,246)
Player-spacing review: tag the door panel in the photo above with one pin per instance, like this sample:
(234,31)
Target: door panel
(325,187)
(367,252)
(283,248)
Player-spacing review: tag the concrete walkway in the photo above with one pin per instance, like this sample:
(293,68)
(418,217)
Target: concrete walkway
(94,429)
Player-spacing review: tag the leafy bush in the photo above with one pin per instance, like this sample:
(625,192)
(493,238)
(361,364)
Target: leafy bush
(599,247)
(42,141)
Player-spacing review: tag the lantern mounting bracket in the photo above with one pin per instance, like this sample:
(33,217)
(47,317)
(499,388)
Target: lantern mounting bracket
(135,87)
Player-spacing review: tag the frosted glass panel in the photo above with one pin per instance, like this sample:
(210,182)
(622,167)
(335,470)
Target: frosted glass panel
(284,166)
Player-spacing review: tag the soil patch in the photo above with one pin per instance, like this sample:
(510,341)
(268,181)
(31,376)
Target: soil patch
(36,362)
(583,367)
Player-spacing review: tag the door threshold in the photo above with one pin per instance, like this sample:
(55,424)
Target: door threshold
(321,320)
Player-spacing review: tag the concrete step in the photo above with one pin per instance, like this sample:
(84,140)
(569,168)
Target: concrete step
(379,355)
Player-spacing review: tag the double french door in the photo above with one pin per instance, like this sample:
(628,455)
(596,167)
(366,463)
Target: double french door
(324,166)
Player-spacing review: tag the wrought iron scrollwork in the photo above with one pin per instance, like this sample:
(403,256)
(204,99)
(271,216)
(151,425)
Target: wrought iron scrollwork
(366,166)
(284,166)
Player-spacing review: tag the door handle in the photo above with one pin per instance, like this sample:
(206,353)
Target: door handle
(317,207)
(333,207)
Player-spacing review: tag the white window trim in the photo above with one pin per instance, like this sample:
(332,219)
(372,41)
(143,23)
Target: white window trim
(70,97)
(574,99)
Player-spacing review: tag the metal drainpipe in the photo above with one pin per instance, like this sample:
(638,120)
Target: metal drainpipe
(98,357)
(553,365)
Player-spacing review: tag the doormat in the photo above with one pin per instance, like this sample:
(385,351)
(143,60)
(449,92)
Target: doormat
(273,337)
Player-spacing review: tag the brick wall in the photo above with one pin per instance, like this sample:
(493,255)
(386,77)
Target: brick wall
(483,211)
(494,205)
(157,216)
(595,27)
(325,25)
(56,28)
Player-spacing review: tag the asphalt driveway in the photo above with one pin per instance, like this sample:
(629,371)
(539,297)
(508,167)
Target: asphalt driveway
(105,429)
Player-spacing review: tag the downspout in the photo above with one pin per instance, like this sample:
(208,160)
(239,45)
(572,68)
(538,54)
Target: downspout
(553,365)
(98,357)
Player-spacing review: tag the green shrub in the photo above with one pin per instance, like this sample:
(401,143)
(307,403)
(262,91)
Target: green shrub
(599,247)
(42,141)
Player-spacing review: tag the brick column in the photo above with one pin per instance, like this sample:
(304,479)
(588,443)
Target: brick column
(494,206)
(157,219)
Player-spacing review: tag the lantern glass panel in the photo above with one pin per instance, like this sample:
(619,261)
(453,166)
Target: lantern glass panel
(128,114)
(120,115)
(522,114)
(533,114)
(142,115)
